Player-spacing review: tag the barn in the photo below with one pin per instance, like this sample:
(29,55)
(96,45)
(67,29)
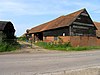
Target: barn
(76,28)
(6,31)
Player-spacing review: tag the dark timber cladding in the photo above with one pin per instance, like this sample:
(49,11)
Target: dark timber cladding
(6,31)
(57,32)
(78,23)
(83,25)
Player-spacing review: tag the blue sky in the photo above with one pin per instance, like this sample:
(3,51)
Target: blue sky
(25,14)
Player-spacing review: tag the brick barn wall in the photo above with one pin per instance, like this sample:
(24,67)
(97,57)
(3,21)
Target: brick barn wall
(65,38)
(83,41)
(48,39)
(92,41)
(51,39)
(98,41)
(75,40)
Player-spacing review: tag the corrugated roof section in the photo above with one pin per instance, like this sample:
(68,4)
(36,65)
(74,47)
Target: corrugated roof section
(61,21)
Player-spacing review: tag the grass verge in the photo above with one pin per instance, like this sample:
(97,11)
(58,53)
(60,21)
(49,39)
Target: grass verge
(64,47)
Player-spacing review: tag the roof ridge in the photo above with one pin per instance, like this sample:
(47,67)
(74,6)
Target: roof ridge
(76,11)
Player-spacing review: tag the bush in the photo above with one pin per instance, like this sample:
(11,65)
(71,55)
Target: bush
(6,47)
(52,45)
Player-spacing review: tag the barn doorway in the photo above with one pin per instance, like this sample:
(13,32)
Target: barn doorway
(38,36)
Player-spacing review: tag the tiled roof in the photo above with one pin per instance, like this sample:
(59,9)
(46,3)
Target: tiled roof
(97,24)
(61,21)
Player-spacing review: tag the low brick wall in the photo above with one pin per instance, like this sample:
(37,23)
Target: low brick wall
(92,41)
(48,39)
(84,41)
(65,38)
(51,39)
(98,41)
(76,40)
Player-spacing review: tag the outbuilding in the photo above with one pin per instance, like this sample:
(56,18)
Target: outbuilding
(7,31)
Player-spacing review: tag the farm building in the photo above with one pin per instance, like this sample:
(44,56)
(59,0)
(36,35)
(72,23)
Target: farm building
(6,31)
(76,28)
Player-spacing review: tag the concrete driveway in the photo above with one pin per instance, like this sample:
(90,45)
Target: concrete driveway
(32,63)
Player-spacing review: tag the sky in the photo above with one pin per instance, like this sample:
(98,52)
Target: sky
(25,14)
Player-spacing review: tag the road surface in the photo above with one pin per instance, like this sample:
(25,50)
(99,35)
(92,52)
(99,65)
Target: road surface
(32,63)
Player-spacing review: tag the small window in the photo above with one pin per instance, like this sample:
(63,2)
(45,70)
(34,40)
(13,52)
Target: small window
(55,38)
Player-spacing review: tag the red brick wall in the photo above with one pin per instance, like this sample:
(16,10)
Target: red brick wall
(76,40)
(98,41)
(48,39)
(51,38)
(65,38)
(92,41)
(83,41)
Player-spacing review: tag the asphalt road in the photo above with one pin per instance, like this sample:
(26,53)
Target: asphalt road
(29,64)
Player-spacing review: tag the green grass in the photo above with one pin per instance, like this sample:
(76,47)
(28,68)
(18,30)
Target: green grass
(7,47)
(64,47)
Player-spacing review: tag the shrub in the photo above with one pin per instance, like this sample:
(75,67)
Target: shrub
(6,47)
(52,45)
